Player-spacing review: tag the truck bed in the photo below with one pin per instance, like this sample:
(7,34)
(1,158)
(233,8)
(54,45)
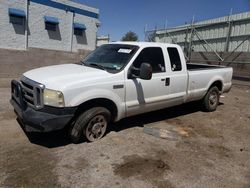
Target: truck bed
(195,66)
(201,76)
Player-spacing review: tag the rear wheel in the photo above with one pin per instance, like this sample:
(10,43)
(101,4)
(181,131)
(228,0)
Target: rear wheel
(211,99)
(91,124)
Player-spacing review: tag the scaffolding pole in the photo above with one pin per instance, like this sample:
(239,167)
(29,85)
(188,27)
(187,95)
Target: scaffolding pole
(236,48)
(186,43)
(200,38)
(191,40)
(165,27)
(229,31)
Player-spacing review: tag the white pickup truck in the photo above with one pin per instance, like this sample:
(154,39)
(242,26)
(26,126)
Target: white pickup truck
(115,81)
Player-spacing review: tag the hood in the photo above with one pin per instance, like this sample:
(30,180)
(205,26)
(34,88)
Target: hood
(60,76)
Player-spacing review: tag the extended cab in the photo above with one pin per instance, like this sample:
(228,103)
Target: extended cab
(115,81)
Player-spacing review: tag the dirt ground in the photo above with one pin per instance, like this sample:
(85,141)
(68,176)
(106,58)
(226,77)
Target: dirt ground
(213,152)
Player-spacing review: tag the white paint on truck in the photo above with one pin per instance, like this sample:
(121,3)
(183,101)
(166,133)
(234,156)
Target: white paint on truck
(80,84)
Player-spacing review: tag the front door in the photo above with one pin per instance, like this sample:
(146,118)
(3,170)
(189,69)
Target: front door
(148,95)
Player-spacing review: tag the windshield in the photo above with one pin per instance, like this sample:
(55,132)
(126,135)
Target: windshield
(110,57)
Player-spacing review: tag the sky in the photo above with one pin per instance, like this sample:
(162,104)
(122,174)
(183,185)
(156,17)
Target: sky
(118,17)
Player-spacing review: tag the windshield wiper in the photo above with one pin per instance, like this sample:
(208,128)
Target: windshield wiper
(82,62)
(97,65)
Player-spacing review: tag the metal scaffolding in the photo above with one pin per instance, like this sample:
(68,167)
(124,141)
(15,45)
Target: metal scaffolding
(194,30)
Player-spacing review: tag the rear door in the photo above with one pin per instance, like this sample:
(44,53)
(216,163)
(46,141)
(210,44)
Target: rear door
(178,77)
(148,95)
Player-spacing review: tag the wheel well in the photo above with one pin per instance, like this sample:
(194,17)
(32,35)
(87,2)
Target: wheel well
(100,102)
(218,84)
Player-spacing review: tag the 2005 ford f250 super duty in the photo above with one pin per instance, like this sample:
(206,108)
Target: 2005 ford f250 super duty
(115,81)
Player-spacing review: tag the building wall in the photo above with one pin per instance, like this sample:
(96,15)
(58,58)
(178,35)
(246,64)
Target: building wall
(88,39)
(11,36)
(38,37)
(42,38)
(214,31)
(102,40)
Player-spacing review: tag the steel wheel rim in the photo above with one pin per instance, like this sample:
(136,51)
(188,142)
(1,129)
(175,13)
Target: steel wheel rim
(213,99)
(96,128)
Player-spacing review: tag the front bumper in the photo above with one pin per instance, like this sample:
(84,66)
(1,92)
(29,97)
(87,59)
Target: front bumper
(42,120)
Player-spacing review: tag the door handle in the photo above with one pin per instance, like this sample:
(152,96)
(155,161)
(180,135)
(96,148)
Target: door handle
(166,80)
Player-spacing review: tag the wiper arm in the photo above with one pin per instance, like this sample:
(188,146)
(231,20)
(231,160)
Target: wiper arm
(82,62)
(97,65)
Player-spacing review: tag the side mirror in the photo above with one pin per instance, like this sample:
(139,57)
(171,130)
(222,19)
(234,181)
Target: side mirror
(146,71)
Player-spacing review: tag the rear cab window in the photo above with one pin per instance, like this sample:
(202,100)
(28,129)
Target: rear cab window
(175,60)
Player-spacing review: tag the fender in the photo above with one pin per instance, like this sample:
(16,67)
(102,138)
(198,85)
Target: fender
(216,78)
(100,93)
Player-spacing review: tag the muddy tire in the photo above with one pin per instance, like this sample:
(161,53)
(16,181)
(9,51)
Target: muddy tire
(211,99)
(91,125)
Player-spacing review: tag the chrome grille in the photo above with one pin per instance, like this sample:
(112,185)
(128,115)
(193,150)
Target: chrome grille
(32,92)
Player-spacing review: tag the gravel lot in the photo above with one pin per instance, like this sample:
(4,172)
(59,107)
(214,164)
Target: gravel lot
(214,150)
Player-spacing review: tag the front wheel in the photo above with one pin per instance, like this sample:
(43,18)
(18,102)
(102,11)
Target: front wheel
(211,99)
(91,124)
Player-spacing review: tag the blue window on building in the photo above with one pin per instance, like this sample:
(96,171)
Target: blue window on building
(79,28)
(51,23)
(17,16)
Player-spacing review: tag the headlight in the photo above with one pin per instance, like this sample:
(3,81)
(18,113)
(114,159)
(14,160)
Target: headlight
(53,98)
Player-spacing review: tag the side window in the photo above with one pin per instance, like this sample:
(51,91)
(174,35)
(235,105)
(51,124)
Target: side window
(50,26)
(175,60)
(17,20)
(153,56)
(78,32)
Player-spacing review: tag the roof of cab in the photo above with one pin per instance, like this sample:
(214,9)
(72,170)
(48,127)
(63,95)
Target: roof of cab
(146,44)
